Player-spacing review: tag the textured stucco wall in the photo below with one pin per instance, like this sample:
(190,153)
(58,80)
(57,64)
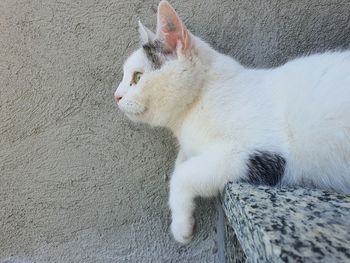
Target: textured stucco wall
(79,182)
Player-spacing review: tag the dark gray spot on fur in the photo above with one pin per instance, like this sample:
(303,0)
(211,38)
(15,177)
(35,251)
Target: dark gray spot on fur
(170,24)
(155,52)
(265,168)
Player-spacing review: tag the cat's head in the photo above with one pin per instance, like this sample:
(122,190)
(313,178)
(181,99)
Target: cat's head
(162,78)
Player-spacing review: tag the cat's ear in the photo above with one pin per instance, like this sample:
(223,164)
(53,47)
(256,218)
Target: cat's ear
(146,35)
(171,30)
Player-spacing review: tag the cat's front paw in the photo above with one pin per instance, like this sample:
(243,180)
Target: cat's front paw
(182,229)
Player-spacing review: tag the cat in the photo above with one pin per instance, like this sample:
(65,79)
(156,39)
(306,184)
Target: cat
(288,125)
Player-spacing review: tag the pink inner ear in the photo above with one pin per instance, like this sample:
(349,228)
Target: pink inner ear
(171,28)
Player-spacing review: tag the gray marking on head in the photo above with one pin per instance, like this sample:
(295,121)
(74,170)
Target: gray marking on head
(156,53)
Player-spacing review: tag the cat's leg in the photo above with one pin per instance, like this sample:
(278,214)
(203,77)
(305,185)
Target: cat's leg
(203,175)
(180,158)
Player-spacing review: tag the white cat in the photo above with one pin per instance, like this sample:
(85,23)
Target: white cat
(288,125)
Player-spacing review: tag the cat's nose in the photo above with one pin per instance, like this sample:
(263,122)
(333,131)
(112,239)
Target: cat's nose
(117,98)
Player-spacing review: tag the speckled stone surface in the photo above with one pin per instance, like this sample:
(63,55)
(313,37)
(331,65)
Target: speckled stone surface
(289,225)
(233,249)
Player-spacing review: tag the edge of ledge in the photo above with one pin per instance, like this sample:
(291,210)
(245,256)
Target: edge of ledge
(288,224)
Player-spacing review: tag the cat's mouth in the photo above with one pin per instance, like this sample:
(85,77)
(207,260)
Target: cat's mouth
(135,116)
(133,110)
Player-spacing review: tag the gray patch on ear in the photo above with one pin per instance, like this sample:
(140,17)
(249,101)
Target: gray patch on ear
(156,53)
(170,24)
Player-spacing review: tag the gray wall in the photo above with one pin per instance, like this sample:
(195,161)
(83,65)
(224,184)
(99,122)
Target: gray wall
(79,182)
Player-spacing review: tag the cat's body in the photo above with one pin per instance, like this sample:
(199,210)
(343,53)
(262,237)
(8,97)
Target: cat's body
(288,125)
(300,110)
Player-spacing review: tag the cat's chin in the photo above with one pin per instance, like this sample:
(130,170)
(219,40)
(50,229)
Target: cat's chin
(135,116)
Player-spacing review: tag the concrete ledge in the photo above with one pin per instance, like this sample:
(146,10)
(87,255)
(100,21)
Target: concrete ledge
(289,225)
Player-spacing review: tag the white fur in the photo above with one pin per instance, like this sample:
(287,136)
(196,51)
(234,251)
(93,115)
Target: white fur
(146,35)
(221,112)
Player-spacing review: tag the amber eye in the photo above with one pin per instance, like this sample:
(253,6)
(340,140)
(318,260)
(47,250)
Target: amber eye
(136,77)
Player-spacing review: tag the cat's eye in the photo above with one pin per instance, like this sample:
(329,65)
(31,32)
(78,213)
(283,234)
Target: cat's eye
(136,77)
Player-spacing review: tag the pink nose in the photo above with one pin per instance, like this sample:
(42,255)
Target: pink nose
(117,98)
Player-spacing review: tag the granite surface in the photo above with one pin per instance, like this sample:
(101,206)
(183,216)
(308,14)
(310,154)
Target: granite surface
(233,249)
(289,225)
